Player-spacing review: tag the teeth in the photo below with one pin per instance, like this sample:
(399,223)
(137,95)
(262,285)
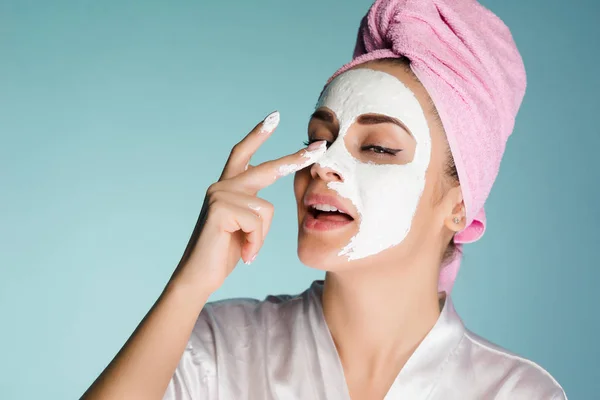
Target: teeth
(325,207)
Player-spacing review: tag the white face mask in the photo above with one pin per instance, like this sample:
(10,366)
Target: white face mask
(385,195)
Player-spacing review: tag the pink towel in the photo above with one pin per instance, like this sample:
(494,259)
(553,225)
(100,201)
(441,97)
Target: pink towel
(467,60)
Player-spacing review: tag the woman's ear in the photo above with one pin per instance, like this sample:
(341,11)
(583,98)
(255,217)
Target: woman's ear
(455,219)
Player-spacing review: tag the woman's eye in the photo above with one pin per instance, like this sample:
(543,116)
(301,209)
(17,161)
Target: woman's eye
(381,150)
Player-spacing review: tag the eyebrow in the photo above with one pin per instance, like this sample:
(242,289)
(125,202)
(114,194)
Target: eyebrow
(373,119)
(365,119)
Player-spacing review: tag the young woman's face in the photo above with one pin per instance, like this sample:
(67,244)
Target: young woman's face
(376,191)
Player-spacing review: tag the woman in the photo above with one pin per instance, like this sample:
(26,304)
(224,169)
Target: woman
(403,148)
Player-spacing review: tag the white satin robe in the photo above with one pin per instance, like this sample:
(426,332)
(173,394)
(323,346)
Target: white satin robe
(281,348)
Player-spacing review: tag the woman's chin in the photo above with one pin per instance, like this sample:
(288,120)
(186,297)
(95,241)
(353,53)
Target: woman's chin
(321,258)
(320,250)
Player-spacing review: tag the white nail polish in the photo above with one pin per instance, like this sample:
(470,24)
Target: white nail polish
(270,123)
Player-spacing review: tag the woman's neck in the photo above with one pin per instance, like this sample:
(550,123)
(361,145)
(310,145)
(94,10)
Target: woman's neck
(378,315)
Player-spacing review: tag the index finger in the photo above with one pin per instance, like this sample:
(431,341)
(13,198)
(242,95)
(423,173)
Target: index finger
(268,172)
(243,151)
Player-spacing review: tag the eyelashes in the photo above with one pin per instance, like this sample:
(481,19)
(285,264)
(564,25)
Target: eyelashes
(381,150)
(377,150)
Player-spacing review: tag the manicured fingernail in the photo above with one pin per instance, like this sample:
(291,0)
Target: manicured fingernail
(251,260)
(270,123)
(316,145)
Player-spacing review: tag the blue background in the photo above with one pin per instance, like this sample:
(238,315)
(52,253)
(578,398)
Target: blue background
(115,117)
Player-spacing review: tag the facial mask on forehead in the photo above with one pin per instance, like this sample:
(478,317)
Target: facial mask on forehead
(385,195)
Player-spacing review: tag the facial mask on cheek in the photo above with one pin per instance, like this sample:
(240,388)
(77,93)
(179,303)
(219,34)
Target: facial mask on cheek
(385,195)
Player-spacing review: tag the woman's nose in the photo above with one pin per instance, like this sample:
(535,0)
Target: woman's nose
(325,173)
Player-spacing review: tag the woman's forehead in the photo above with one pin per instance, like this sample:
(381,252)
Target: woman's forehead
(366,91)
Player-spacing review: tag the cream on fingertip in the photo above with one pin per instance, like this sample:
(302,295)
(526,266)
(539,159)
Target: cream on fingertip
(312,154)
(316,145)
(270,123)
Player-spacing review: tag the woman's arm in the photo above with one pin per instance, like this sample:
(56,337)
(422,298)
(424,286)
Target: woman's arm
(143,367)
(232,224)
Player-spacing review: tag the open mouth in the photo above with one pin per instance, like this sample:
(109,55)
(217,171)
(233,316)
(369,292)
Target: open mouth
(326,212)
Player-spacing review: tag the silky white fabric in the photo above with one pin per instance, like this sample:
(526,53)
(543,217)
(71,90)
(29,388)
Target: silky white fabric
(281,348)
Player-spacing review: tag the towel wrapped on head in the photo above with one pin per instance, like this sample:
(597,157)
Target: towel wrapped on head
(466,59)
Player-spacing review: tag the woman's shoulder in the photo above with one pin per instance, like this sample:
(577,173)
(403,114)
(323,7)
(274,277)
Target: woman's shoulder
(254,311)
(234,339)
(239,318)
(513,375)
(234,331)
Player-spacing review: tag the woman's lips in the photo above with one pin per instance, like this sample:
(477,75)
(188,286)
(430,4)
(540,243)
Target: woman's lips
(325,221)
(318,219)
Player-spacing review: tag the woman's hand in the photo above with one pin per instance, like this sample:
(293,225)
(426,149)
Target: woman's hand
(234,222)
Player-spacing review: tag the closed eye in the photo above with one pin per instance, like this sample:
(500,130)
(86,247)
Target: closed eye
(381,150)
